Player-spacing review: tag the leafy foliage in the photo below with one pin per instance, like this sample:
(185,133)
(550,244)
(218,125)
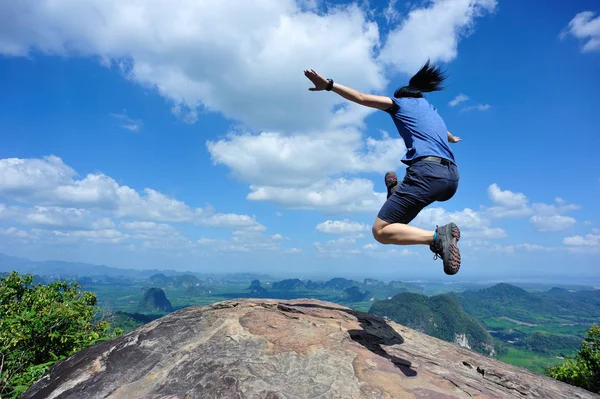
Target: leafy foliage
(128,322)
(584,369)
(40,325)
(543,342)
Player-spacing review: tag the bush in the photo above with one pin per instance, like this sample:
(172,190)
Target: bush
(40,325)
(583,370)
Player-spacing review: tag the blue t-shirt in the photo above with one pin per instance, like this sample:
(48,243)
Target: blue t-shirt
(423,130)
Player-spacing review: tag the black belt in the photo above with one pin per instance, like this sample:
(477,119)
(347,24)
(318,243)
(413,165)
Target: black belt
(443,161)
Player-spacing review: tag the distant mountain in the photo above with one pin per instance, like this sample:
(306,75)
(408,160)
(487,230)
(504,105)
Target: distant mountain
(185,280)
(355,294)
(256,289)
(288,284)
(439,316)
(505,300)
(155,300)
(36,279)
(337,284)
(73,269)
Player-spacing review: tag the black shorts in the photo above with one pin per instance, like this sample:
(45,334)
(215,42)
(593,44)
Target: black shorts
(424,183)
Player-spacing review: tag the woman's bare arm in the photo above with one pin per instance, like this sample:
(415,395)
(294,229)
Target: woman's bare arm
(368,100)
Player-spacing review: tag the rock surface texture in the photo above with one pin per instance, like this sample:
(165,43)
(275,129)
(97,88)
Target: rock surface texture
(256,348)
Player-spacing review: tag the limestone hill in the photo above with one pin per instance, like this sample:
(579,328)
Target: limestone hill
(256,348)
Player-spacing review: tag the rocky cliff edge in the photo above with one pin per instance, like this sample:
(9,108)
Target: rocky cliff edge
(256,348)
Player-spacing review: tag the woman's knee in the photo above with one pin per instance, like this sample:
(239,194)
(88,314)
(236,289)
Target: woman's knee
(377,231)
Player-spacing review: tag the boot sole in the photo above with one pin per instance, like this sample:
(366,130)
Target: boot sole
(454,253)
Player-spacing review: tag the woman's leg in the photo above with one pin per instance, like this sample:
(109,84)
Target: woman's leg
(400,234)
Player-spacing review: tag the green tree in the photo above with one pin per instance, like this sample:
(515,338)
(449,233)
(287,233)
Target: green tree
(40,325)
(583,370)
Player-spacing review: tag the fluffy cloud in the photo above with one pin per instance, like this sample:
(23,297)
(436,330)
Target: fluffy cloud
(246,241)
(341,227)
(207,55)
(229,57)
(543,217)
(296,171)
(57,218)
(296,161)
(128,123)
(97,210)
(506,199)
(336,247)
(478,107)
(13,232)
(49,181)
(340,195)
(589,240)
(232,220)
(433,32)
(458,99)
(552,223)
(586,28)
(69,202)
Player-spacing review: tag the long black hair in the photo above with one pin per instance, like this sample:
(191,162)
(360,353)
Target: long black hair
(429,78)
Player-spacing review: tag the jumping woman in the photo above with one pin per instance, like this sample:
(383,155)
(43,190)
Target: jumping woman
(431,173)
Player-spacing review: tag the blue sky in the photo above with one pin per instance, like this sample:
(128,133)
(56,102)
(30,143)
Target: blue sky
(177,135)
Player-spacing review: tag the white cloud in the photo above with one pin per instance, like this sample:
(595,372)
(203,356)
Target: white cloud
(507,204)
(536,248)
(586,28)
(433,32)
(292,251)
(49,181)
(340,195)
(478,107)
(466,219)
(337,246)
(232,220)
(506,198)
(458,99)
(128,123)
(247,240)
(543,217)
(294,161)
(228,57)
(589,240)
(74,237)
(390,13)
(155,228)
(472,224)
(65,218)
(15,233)
(189,50)
(341,227)
(552,223)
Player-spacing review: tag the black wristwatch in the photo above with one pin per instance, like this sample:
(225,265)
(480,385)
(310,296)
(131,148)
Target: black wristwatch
(329,85)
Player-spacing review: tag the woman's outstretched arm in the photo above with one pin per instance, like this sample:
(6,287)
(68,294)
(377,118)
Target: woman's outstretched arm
(368,100)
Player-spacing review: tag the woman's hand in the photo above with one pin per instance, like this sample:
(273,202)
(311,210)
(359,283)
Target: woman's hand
(319,81)
(452,138)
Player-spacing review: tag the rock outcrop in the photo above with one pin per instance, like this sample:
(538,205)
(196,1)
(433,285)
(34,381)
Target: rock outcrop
(256,348)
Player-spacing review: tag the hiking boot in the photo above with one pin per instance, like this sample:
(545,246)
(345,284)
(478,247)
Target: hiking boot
(445,246)
(391,182)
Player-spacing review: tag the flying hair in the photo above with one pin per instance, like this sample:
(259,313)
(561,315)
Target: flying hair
(429,78)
